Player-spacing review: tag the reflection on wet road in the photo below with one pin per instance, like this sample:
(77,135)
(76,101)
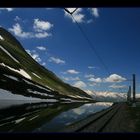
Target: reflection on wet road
(44,117)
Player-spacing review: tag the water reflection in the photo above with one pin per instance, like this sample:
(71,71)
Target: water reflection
(73,115)
(27,116)
(43,117)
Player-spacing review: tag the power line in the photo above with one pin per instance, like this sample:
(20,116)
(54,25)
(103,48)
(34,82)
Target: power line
(69,11)
(89,42)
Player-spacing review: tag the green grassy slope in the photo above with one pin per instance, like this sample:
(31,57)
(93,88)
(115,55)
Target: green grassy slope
(30,66)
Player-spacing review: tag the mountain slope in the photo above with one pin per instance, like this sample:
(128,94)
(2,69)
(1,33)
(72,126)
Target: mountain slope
(108,96)
(15,61)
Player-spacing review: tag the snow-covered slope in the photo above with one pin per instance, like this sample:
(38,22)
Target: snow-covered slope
(108,96)
(21,74)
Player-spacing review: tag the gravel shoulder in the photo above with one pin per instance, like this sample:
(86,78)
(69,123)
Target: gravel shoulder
(126,120)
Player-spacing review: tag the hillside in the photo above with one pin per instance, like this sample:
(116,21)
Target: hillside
(21,74)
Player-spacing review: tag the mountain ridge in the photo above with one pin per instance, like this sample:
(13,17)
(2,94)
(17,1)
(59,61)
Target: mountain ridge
(14,57)
(108,96)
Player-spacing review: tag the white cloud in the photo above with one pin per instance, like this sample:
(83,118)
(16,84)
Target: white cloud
(42,48)
(49,8)
(8,9)
(89,21)
(34,55)
(40,29)
(75,78)
(40,25)
(117,86)
(28,51)
(56,60)
(72,71)
(96,80)
(80,84)
(43,63)
(78,16)
(71,78)
(111,79)
(92,67)
(92,84)
(17,30)
(17,18)
(114,78)
(42,35)
(65,78)
(89,76)
(94,12)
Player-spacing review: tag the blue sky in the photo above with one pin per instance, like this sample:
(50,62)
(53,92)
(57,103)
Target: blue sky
(53,39)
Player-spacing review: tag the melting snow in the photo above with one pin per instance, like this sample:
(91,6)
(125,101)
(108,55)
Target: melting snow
(43,88)
(71,96)
(66,99)
(8,54)
(1,37)
(7,99)
(19,120)
(21,71)
(28,82)
(5,94)
(108,96)
(76,96)
(38,86)
(72,100)
(36,92)
(25,74)
(36,75)
(33,118)
(51,100)
(12,77)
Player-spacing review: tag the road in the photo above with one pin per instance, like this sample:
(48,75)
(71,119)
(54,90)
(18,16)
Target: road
(114,119)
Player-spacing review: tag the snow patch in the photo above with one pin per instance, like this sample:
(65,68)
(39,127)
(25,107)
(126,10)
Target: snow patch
(8,53)
(43,88)
(77,96)
(36,75)
(28,82)
(33,118)
(108,96)
(51,100)
(1,37)
(49,88)
(19,120)
(7,99)
(25,74)
(71,100)
(21,71)
(72,96)
(8,118)
(5,94)
(38,86)
(36,92)
(11,77)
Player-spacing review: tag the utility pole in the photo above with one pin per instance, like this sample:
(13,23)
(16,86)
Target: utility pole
(129,94)
(134,91)
(134,88)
